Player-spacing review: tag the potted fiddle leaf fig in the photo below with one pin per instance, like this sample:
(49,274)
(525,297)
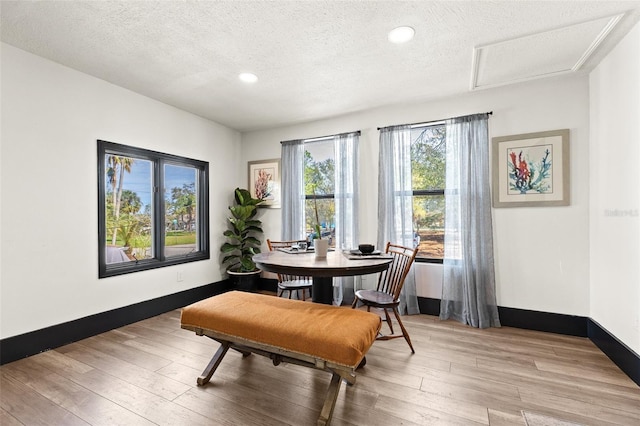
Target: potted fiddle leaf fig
(243,241)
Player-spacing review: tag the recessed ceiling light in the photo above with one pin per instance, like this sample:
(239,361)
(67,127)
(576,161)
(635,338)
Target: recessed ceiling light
(401,34)
(248,77)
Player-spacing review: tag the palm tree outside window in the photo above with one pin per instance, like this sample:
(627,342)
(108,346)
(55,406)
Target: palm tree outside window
(153,209)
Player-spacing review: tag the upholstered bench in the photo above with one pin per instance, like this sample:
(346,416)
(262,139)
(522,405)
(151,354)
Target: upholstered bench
(309,334)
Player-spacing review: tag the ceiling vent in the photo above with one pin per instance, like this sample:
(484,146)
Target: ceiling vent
(539,55)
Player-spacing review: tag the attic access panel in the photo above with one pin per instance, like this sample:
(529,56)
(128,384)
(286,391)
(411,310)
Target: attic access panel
(543,54)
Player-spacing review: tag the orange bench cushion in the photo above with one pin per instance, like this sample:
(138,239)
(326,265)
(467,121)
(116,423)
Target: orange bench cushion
(339,335)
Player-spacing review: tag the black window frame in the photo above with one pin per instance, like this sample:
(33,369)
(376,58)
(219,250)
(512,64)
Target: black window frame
(158,160)
(328,196)
(428,192)
(320,197)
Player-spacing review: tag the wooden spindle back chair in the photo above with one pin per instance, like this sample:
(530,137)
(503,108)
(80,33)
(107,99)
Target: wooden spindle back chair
(387,294)
(291,283)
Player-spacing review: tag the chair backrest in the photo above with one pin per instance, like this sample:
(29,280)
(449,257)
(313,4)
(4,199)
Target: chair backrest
(274,245)
(392,280)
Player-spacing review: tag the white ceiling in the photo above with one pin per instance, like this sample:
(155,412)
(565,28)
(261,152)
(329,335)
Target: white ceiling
(314,59)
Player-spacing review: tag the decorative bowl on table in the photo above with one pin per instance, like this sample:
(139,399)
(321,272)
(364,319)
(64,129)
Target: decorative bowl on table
(366,248)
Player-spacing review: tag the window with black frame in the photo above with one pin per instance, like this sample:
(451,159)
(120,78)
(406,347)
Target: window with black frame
(428,155)
(319,186)
(153,209)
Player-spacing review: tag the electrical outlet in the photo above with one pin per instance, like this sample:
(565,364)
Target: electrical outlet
(179,276)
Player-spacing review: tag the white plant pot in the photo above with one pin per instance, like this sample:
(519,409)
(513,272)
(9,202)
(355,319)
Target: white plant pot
(321,247)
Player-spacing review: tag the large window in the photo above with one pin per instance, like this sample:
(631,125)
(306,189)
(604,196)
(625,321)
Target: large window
(428,181)
(319,187)
(153,209)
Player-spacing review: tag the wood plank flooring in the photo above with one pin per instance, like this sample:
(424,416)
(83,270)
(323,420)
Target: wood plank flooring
(145,374)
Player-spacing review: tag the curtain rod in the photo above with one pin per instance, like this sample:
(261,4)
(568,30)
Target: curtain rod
(432,121)
(318,138)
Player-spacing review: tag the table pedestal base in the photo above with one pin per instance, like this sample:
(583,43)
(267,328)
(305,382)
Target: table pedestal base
(322,290)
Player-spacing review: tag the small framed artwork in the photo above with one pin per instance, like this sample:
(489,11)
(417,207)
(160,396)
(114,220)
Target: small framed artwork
(531,170)
(264,181)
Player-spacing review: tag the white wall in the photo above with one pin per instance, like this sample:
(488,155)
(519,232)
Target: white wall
(615,191)
(542,254)
(51,119)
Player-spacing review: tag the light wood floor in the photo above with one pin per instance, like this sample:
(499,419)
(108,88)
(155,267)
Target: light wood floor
(145,374)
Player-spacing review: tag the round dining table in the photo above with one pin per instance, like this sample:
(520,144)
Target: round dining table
(322,270)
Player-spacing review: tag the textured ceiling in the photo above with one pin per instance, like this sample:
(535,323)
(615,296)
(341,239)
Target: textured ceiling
(314,59)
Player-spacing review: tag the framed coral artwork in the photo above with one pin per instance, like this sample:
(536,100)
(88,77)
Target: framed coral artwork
(531,170)
(264,181)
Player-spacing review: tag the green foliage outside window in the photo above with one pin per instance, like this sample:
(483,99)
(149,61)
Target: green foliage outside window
(428,155)
(129,221)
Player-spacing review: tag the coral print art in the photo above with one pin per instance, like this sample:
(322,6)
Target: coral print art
(264,183)
(530,170)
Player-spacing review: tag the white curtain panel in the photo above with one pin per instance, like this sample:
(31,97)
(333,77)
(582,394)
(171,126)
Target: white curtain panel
(468,288)
(346,191)
(346,202)
(292,187)
(395,202)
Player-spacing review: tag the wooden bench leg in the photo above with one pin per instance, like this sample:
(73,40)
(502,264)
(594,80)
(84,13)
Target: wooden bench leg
(330,400)
(363,362)
(213,364)
(244,353)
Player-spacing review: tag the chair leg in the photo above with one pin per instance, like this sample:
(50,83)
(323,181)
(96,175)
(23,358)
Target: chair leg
(404,330)
(388,319)
(355,303)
